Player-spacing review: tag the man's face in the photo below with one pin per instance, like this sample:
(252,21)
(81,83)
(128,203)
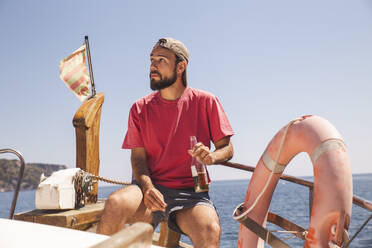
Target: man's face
(162,69)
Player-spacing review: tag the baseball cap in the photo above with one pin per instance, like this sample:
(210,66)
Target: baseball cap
(175,46)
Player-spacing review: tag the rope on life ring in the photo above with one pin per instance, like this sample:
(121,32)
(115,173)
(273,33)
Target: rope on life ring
(276,168)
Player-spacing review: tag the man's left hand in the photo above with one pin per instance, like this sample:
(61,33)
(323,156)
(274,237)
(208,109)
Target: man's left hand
(203,154)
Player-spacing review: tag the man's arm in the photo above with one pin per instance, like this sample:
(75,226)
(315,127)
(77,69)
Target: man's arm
(224,151)
(152,198)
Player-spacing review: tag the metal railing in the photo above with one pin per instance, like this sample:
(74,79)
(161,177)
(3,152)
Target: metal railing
(356,200)
(365,204)
(20,176)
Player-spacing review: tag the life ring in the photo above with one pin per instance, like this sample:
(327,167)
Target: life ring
(332,197)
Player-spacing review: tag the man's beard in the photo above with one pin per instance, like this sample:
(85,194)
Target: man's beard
(163,82)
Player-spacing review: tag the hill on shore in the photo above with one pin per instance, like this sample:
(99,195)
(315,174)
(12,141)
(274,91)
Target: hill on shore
(9,170)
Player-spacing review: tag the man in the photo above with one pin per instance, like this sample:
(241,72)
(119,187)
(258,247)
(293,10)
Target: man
(159,129)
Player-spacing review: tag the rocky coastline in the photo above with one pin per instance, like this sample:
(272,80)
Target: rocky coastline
(9,170)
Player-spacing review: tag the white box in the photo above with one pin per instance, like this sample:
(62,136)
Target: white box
(57,191)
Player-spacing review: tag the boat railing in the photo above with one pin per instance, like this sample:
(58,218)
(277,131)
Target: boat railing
(289,226)
(19,181)
(356,200)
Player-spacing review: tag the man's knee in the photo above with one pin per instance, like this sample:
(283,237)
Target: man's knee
(201,224)
(124,200)
(120,206)
(212,229)
(206,231)
(114,201)
(207,235)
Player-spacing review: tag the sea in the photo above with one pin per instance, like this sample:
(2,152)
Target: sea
(290,201)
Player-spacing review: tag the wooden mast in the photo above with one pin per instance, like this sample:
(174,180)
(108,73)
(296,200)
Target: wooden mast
(90,67)
(87,123)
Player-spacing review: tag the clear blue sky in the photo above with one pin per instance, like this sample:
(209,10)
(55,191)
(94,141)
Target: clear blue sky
(267,61)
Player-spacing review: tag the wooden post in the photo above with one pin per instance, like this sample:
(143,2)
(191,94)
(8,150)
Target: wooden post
(168,238)
(87,122)
(311,198)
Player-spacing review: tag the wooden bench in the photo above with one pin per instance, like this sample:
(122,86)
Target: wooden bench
(80,219)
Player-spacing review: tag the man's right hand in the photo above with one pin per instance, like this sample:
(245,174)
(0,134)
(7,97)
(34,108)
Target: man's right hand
(154,200)
(152,197)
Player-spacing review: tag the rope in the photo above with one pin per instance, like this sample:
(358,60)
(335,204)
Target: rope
(292,232)
(272,172)
(304,233)
(267,237)
(332,245)
(109,180)
(357,232)
(294,236)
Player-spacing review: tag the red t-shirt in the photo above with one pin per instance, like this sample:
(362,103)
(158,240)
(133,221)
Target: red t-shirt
(164,128)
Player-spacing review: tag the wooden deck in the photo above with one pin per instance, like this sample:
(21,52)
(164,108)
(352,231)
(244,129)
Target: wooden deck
(80,219)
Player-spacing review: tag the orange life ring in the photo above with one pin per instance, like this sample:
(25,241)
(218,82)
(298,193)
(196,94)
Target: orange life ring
(332,198)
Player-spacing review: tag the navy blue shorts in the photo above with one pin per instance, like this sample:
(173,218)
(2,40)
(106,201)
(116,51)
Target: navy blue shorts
(178,199)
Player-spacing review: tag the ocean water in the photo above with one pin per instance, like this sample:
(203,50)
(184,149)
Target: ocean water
(289,200)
